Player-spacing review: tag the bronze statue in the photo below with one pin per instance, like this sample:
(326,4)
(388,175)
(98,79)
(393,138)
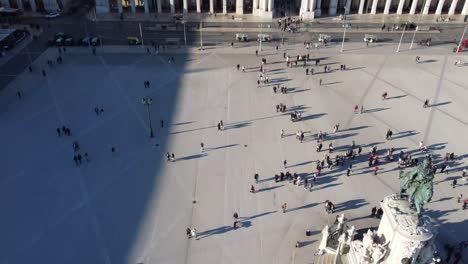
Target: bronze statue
(418,185)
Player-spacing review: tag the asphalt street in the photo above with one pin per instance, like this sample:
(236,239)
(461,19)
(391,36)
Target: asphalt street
(116,33)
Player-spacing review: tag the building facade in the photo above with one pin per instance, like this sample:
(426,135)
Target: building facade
(34,5)
(307,9)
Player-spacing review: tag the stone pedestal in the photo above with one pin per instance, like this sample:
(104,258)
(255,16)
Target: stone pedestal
(262,13)
(308,15)
(408,236)
(401,235)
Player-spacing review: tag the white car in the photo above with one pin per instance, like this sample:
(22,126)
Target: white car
(370,38)
(323,37)
(52,15)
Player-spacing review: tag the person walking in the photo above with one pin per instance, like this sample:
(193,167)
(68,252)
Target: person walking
(58,132)
(285,162)
(281,132)
(222,124)
(256,177)
(454,183)
(252,189)
(202,147)
(235,216)
(376,169)
(348,172)
(284,207)
(320,82)
(79,158)
(161,122)
(172,157)
(168,156)
(426,103)
(19,95)
(193,233)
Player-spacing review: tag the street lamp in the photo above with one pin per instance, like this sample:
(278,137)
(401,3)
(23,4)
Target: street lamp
(462,38)
(185,34)
(148,101)
(401,39)
(201,36)
(344,31)
(416,29)
(261,36)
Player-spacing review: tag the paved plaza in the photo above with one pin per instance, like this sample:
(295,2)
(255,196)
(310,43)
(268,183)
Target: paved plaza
(132,206)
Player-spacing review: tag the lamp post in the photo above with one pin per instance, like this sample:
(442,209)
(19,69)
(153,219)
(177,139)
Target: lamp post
(402,33)
(462,38)
(201,36)
(148,101)
(344,31)
(261,36)
(185,34)
(416,29)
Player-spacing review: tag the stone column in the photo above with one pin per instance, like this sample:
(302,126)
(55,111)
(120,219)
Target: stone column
(304,6)
(240,7)
(146,6)
(452,7)
(400,7)
(211,7)
(361,7)
(332,7)
(271,5)
(172,7)
(198,6)
(374,7)
(318,9)
(5,3)
(348,7)
(20,4)
(225,6)
(311,5)
(185,6)
(426,7)
(440,5)
(413,7)
(102,6)
(255,5)
(465,8)
(32,3)
(387,7)
(119,6)
(132,6)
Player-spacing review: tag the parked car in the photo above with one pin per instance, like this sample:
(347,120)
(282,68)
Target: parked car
(60,35)
(133,41)
(323,37)
(59,41)
(51,15)
(69,41)
(242,37)
(95,41)
(264,37)
(84,41)
(370,38)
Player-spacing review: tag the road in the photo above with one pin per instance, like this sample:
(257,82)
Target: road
(116,32)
